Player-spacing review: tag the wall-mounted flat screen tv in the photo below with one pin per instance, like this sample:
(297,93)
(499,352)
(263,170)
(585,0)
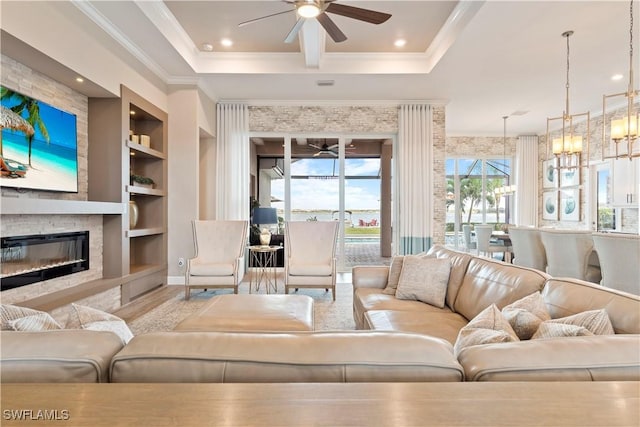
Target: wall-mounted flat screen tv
(39,147)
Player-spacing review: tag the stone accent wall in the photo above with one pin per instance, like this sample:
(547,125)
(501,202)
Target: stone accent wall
(21,78)
(346,119)
(439,181)
(334,119)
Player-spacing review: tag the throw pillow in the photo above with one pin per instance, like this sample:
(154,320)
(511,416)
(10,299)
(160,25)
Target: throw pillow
(595,321)
(83,317)
(488,327)
(9,313)
(35,322)
(119,327)
(424,279)
(558,330)
(394,275)
(526,315)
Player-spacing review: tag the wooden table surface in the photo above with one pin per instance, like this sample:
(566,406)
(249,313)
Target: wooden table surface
(381,404)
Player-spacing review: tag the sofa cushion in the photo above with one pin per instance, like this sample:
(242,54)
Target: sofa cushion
(340,356)
(9,314)
(526,315)
(592,358)
(424,279)
(565,297)
(60,356)
(440,324)
(365,299)
(488,327)
(459,263)
(489,282)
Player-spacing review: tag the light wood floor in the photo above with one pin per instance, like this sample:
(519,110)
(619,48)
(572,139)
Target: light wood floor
(156,297)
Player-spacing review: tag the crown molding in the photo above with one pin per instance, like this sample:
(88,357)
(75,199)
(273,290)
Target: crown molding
(107,26)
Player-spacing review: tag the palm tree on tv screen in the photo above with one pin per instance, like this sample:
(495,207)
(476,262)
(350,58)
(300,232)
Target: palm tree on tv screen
(32,108)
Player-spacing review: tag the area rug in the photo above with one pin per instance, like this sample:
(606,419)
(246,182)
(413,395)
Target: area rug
(328,314)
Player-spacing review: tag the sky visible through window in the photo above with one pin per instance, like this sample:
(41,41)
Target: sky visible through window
(321,191)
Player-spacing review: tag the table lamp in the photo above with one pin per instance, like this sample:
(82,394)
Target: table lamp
(265,216)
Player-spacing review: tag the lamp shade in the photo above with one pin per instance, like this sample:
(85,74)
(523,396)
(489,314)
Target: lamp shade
(265,216)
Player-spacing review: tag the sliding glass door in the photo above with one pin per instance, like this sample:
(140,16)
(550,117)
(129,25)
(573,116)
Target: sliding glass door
(329,179)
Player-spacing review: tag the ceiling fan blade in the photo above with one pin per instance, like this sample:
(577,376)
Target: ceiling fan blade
(353,12)
(315,146)
(294,31)
(333,153)
(251,21)
(331,147)
(331,28)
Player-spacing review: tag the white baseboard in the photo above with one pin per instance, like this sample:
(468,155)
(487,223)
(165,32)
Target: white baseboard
(175,280)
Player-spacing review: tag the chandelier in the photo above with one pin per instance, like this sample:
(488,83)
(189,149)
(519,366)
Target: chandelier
(623,131)
(570,145)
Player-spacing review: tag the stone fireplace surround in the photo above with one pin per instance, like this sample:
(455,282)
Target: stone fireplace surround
(29,82)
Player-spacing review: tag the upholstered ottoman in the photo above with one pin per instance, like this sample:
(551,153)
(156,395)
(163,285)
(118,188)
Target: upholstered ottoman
(240,312)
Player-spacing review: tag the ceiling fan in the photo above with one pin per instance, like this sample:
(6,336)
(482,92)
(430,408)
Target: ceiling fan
(318,9)
(325,149)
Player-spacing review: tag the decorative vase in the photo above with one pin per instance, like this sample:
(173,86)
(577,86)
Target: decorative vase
(133,214)
(265,237)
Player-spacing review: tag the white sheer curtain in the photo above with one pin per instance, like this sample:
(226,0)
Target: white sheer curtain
(415,178)
(232,163)
(527,181)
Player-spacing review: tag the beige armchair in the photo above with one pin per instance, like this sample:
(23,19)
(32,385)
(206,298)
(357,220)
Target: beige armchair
(528,250)
(570,254)
(219,251)
(310,261)
(619,256)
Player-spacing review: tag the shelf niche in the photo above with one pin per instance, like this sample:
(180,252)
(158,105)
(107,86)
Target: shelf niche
(115,154)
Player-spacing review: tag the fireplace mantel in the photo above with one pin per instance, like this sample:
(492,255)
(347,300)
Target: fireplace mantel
(31,206)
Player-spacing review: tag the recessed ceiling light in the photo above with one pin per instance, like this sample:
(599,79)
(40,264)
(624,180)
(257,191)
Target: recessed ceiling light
(132,112)
(207,47)
(617,77)
(79,79)
(400,43)
(226,42)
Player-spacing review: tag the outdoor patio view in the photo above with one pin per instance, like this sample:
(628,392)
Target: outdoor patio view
(477,193)
(315,196)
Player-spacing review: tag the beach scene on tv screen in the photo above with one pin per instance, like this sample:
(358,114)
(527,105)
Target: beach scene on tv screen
(38,148)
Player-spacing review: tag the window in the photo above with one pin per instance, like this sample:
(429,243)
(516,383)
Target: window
(473,195)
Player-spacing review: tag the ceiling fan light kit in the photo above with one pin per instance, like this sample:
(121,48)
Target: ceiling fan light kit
(308,9)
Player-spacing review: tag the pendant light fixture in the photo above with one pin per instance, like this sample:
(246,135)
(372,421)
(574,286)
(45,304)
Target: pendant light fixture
(622,139)
(505,189)
(568,148)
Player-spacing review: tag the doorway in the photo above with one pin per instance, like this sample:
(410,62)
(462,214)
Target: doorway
(329,179)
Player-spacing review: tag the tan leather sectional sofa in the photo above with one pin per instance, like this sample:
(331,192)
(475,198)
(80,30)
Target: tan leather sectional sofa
(474,284)
(413,343)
